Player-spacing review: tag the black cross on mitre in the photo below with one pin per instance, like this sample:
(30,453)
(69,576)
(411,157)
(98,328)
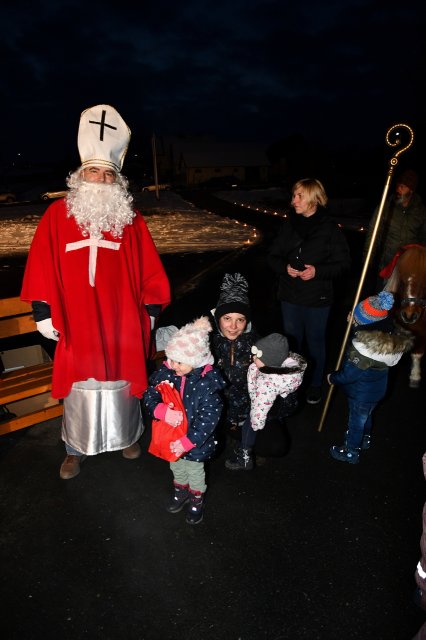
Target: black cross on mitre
(102,125)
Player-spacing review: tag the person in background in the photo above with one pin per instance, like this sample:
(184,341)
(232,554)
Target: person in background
(189,369)
(274,373)
(403,221)
(374,347)
(96,283)
(231,342)
(308,254)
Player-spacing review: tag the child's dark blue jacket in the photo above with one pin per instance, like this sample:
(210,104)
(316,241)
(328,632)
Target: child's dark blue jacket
(364,374)
(202,401)
(363,385)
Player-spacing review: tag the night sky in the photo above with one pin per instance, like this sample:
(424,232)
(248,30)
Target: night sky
(339,72)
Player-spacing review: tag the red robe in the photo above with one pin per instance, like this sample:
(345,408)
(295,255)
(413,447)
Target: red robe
(105,329)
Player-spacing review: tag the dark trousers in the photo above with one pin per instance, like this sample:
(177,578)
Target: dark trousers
(248,436)
(359,423)
(309,323)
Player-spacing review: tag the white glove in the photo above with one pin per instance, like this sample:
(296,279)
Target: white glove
(47,329)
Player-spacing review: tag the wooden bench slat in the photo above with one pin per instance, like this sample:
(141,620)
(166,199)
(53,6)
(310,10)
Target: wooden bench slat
(10,327)
(23,391)
(28,420)
(25,372)
(20,381)
(24,382)
(15,318)
(13,307)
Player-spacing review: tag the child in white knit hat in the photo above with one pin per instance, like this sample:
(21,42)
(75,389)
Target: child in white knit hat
(189,370)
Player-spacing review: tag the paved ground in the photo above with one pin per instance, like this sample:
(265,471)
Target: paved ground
(303,547)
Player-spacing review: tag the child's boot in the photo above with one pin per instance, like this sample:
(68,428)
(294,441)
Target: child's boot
(195,507)
(242,460)
(180,498)
(366,441)
(344,454)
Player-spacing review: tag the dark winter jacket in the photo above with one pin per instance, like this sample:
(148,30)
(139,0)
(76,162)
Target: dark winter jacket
(315,240)
(202,401)
(233,358)
(398,226)
(364,374)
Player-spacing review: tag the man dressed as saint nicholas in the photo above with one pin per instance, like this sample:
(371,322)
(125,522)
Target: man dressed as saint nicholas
(97,285)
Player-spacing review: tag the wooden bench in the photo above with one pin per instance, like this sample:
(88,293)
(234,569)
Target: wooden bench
(24,382)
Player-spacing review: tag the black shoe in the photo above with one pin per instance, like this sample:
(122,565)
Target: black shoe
(344,454)
(313,395)
(366,442)
(242,460)
(418,598)
(180,498)
(5,414)
(195,508)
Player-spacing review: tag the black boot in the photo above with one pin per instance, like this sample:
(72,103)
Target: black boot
(195,507)
(180,498)
(242,460)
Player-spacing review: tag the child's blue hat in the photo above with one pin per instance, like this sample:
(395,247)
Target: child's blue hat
(373,308)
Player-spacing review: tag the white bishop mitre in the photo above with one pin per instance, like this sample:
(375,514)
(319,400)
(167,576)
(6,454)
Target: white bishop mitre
(103,137)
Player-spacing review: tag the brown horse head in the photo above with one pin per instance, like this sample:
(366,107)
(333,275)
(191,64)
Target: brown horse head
(408,283)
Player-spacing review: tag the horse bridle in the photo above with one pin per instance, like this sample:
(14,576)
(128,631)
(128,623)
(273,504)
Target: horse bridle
(419,301)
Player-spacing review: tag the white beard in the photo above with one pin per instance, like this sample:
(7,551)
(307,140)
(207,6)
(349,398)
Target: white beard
(403,200)
(99,207)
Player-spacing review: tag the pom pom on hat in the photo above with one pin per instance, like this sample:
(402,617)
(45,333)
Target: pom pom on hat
(233,296)
(103,137)
(409,179)
(163,336)
(190,344)
(272,349)
(373,308)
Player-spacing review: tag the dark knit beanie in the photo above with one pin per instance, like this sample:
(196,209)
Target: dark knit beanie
(233,296)
(409,178)
(272,349)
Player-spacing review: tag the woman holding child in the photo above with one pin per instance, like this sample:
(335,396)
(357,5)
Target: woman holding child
(232,341)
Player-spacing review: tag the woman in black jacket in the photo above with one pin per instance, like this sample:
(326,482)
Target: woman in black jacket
(308,254)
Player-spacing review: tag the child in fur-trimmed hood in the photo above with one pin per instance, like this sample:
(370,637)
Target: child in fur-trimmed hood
(375,347)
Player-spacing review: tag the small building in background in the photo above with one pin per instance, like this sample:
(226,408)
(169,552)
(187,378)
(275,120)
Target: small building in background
(204,161)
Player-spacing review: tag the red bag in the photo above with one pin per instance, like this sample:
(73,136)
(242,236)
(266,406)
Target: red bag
(162,433)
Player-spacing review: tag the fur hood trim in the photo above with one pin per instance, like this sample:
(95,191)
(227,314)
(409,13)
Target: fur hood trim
(383,347)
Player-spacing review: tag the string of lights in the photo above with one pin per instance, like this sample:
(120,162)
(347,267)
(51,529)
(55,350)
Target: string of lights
(353,224)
